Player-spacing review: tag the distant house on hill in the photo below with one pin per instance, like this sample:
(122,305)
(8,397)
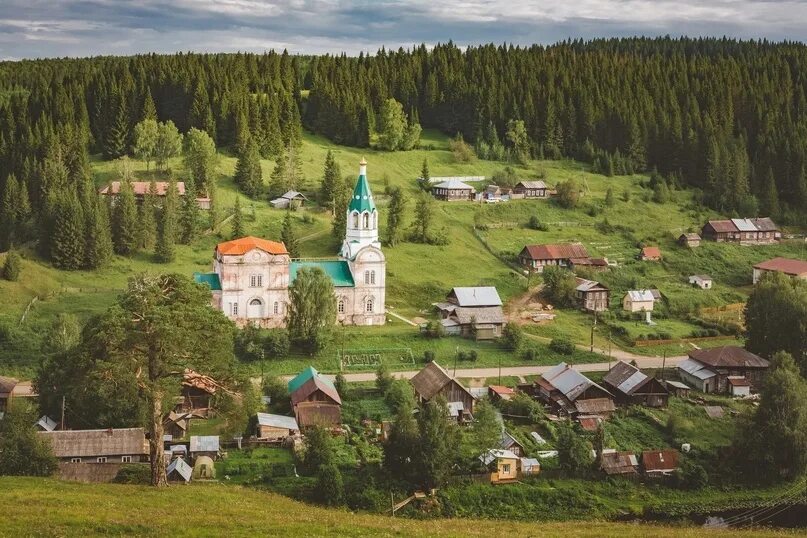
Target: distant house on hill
(691,240)
(315,400)
(121,445)
(531,189)
(453,190)
(619,463)
(472,312)
(498,392)
(289,199)
(638,301)
(659,463)
(704,282)
(510,443)
(787,266)
(433,381)
(743,231)
(536,257)
(650,254)
(569,392)
(709,370)
(141,190)
(592,295)
(632,386)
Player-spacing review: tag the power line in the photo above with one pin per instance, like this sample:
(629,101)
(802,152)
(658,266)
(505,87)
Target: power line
(792,493)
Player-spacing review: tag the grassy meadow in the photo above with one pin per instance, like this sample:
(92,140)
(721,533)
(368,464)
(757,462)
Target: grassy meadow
(483,240)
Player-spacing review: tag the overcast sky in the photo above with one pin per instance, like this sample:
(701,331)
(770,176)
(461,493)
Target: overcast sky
(54,28)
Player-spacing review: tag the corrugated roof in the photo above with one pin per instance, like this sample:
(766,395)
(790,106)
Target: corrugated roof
(696,369)
(744,225)
(90,443)
(497,454)
(660,460)
(678,385)
(728,357)
(454,184)
(311,386)
(291,195)
(180,467)
(141,188)
(739,382)
(619,463)
(765,224)
(569,381)
(532,184)
(476,296)
(722,226)
(204,443)
(337,270)
(47,423)
(209,279)
(595,406)
(239,247)
(556,252)
(297,381)
(625,377)
(641,295)
(277,421)
(787,266)
(588,285)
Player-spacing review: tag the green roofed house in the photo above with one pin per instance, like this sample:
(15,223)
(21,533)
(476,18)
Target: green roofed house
(251,276)
(315,400)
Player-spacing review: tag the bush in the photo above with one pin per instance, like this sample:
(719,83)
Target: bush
(512,336)
(463,153)
(276,343)
(535,224)
(428,356)
(568,194)
(330,488)
(434,329)
(562,345)
(506,177)
(12,266)
(530,354)
(134,474)
(383,378)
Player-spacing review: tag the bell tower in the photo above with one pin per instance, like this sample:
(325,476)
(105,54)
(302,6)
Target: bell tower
(362,217)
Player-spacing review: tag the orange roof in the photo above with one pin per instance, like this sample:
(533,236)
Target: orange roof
(784,265)
(651,252)
(238,247)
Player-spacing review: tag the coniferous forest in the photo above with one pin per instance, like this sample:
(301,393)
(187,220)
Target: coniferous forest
(725,116)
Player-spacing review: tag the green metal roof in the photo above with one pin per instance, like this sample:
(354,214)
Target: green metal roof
(362,197)
(211,279)
(338,270)
(309,373)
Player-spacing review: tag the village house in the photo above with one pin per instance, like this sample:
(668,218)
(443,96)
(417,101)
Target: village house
(472,313)
(204,445)
(704,282)
(510,443)
(638,301)
(790,267)
(691,240)
(494,193)
(743,231)
(568,392)
(659,463)
(141,190)
(453,190)
(632,386)
(531,189)
(315,400)
(506,465)
(619,463)
(251,276)
(113,445)
(498,392)
(290,199)
(592,295)
(536,257)
(197,393)
(709,370)
(677,388)
(276,427)
(433,381)
(650,254)
(11,389)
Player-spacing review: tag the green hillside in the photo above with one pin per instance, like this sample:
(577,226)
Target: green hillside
(44,507)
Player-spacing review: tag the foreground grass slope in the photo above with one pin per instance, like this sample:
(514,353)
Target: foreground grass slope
(44,507)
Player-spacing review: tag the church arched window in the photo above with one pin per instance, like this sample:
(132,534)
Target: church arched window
(355,220)
(372,277)
(340,305)
(276,308)
(367,277)
(369,305)
(366,219)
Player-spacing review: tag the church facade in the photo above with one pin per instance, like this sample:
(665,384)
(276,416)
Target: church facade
(251,276)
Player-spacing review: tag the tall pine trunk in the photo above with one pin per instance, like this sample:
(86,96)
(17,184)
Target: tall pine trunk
(158,477)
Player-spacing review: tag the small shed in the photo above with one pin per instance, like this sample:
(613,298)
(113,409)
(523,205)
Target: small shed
(276,427)
(498,392)
(619,463)
(638,301)
(739,387)
(506,465)
(46,424)
(204,445)
(677,388)
(650,254)
(529,466)
(658,463)
(179,471)
(691,240)
(704,282)
(289,199)
(204,468)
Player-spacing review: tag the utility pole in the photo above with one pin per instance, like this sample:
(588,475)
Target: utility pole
(500,370)
(609,351)
(61,426)
(593,326)
(663,363)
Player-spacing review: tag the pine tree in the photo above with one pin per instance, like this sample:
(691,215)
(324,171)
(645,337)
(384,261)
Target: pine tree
(189,216)
(12,266)
(149,110)
(164,251)
(395,216)
(124,220)
(98,248)
(289,237)
(147,219)
(238,219)
(248,174)
(330,180)
(67,245)
(341,202)
(8,220)
(201,116)
(424,215)
(117,131)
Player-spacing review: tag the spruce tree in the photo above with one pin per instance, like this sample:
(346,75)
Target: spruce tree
(8,220)
(330,179)
(289,238)
(98,249)
(147,218)
(117,131)
(12,266)
(341,202)
(189,216)
(248,174)
(149,110)
(67,244)
(124,220)
(238,219)
(395,216)
(201,116)
(167,229)
(277,181)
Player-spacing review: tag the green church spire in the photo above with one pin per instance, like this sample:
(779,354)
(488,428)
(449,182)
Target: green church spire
(362,199)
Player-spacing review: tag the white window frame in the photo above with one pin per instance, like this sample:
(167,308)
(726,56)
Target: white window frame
(75,460)
(234,309)
(372,277)
(256,281)
(276,308)
(126,459)
(369,305)
(340,306)
(100,459)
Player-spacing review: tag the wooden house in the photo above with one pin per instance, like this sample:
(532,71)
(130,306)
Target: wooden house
(704,282)
(638,301)
(650,254)
(498,392)
(691,240)
(205,445)
(276,427)
(506,465)
(472,312)
(630,385)
(290,199)
(510,443)
(726,362)
(568,392)
(592,295)
(315,400)
(198,391)
(11,389)
(676,388)
(433,381)
(141,190)
(743,231)
(787,266)
(619,463)
(536,257)
(659,463)
(113,445)
(531,189)
(176,424)
(453,190)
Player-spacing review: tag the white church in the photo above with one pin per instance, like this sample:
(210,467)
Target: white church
(251,276)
